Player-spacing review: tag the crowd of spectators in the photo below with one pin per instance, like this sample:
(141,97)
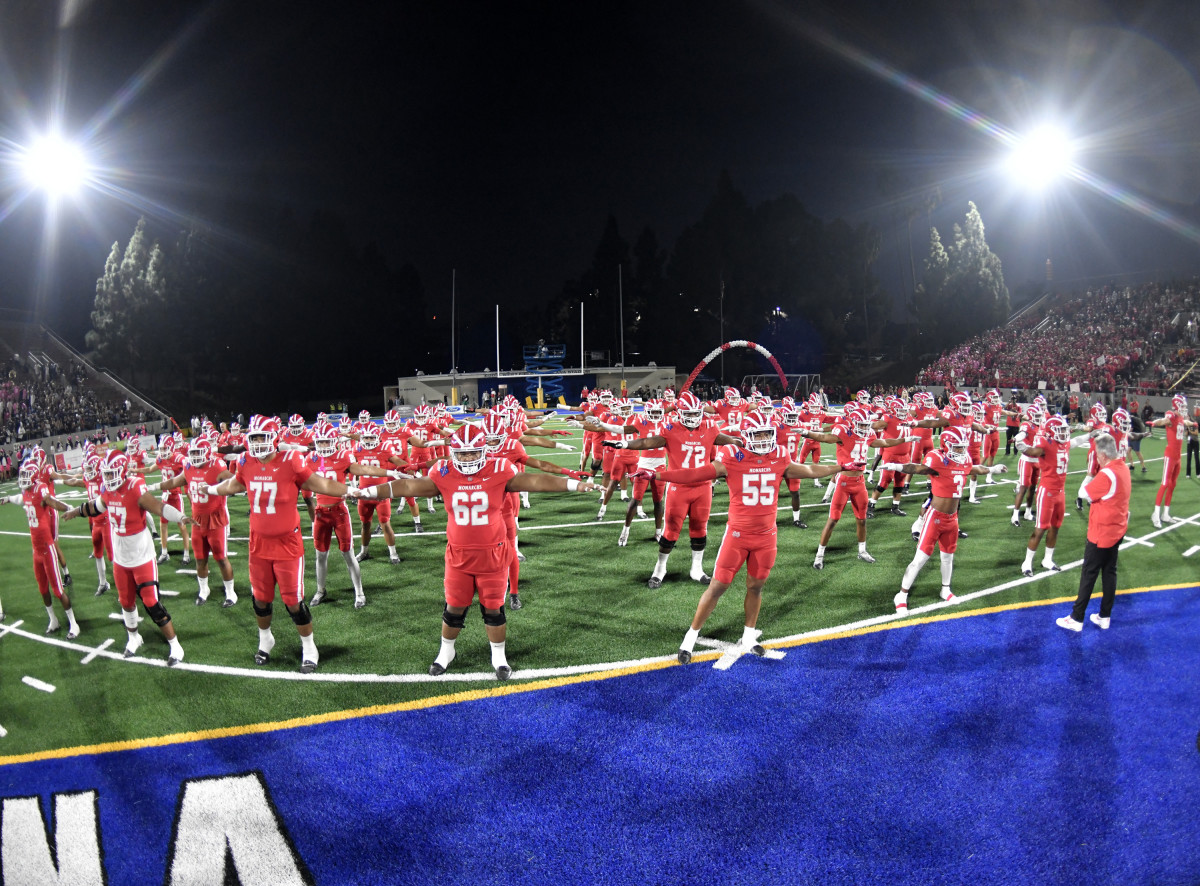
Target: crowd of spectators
(1141,337)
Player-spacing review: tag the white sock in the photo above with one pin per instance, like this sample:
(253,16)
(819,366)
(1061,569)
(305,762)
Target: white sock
(973,485)
(446,653)
(525,502)
(392,551)
(355,571)
(1028,559)
(689,639)
(362,550)
(100,570)
(229,592)
(498,658)
(913,570)
(308,649)
(322,569)
(795,514)
(697,561)
(417,520)
(1049,558)
(660,568)
(266,640)
(1167,512)
(71,621)
(947,568)
(53,617)
(821,551)
(1157,509)
(176,648)
(750,636)
(862,547)
(203,582)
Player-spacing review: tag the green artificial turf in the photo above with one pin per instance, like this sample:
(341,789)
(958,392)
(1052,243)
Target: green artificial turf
(586,602)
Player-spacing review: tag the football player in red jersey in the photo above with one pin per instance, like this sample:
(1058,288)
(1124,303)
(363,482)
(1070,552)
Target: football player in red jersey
(948,467)
(622,463)
(45,472)
(372,452)
(272,480)
(1027,467)
(89,481)
(396,435)
(690,443)
(993,411)
(854,440)
(627,462)
(299,438)
(1177,424)
(787,431)
(210,516)
(41,510)
(1051,448)
(732,409)
(128,501)
(754,474)
(473,490)
(897,411)
(170,463)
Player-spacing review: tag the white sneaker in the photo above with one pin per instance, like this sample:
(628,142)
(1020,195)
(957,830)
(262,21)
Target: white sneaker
(865,557)
(164,557)
(1156,522)
(901,602)
(623,539)
(1070,624)
(1099,622)
(947,594)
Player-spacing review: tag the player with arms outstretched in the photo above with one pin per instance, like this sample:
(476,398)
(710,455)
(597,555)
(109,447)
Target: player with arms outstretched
(1177,424)
(1051,448)
(473,490)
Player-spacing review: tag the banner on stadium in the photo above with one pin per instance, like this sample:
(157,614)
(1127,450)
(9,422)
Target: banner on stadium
(1075,387)
(1041,386)
(69,460)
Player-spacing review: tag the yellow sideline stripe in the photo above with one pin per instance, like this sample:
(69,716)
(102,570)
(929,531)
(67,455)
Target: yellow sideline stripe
(508,689)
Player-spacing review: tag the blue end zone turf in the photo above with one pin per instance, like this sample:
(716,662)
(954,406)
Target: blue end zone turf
(994,748)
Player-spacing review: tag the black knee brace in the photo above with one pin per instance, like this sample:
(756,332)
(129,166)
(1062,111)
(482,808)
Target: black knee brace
(453,621)
(493,618)
(301,615)
(263,611)
(158,615)
(699,543)
(665,545)
(146,584)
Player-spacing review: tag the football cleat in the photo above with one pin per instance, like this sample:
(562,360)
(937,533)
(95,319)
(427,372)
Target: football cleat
(600,515)
(819,563)
(418,528)
(641,514)
(520,557)
(683,656)
(1028,573)
(261,657)
(865,557)
(654,583)
(799,524)
(436,670)
(308,667)
(947,595)
(895,509)
(1051,567)
(1015,521)
(362,556)
(164,557)
(1070,624)
(103,589)
(758,649)
(319,597)
(514,602)
(52,627)
(870,513)
(1078,503)
(71,635)
(1156,522)
(172,660)
(200,601)
(972,501)
(503,672)
(900,601)
(133,644)
(623,538)
(962,534)
(67,579)
(432,509)
(394,559)
(229,601)
(700,576)
(360,600)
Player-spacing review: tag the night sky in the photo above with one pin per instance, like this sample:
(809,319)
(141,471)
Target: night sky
(497,138)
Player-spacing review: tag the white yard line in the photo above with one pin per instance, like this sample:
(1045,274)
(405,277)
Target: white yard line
(97,651)
(37,684)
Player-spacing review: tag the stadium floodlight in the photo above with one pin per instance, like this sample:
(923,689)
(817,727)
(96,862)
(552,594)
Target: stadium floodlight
(1040,157)
(55,165)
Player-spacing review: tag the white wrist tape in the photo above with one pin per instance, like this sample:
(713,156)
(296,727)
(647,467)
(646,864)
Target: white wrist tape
(171,514)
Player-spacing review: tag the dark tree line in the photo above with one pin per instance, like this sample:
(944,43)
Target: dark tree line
(204,319)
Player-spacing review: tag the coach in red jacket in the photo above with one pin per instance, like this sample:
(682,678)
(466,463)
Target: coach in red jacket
(1109,494)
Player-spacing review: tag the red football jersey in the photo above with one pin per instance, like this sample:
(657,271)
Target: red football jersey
(1052,463)
(474,502)
(511,449)
(379,457)
(304,438)
(851,448)
(92,490)
(335,467)
(171,467)
(133,545)
(272,489)
(40,515)
(951,474)
(1176,431)
(209,510)
(689,447)
(753,486)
